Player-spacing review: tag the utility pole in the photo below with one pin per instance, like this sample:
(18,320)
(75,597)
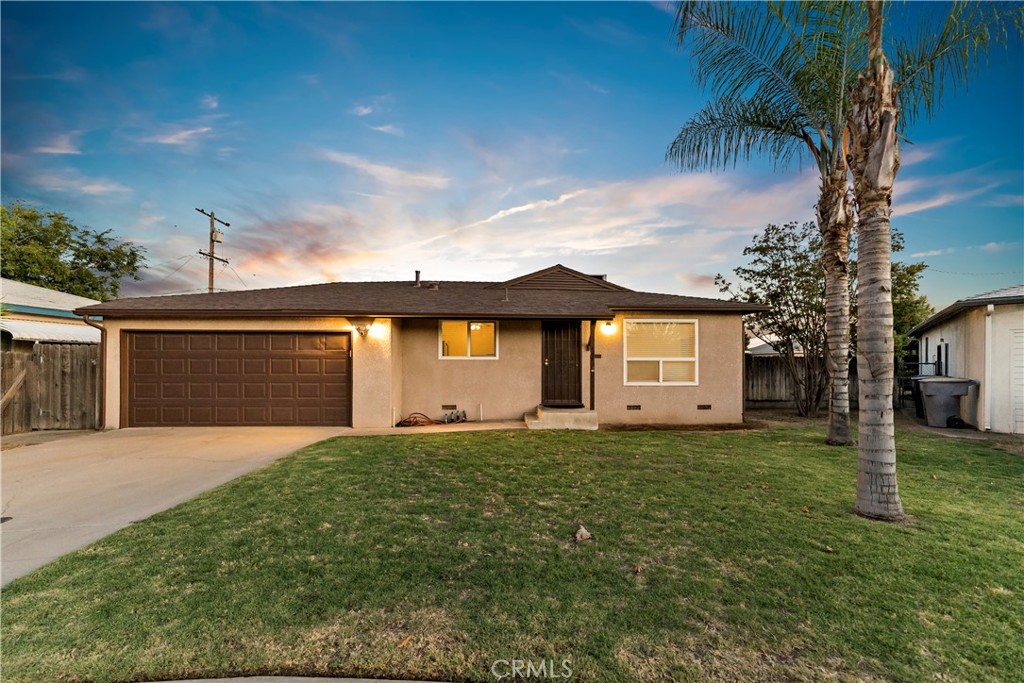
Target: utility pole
(215,236)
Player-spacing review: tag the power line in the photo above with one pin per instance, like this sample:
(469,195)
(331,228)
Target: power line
(953,272)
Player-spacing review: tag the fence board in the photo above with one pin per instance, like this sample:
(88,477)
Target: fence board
(59,391)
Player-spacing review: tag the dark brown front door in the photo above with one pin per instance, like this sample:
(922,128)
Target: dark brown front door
(237,378)
(560,377)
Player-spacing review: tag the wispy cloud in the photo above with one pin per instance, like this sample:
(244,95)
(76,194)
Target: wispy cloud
(389,129)
(72,182)
(179,136)
(932,252)
(940,199)
(387,175)
(995,247)
(61,144)
(372,105)
(1006,200)
(310,79)
(209,102)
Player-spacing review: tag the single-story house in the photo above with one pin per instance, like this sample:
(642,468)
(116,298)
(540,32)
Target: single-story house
(34,314)
(366,354)
(982,338)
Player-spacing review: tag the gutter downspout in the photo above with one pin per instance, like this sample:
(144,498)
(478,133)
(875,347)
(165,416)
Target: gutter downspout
(987,424)
(101,386)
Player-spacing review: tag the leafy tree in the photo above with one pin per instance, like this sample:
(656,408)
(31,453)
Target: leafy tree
(779,75)
(881,94)
(785,271)
(49,250)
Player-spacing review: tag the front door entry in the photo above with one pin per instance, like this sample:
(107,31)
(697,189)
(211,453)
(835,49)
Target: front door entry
(561,383)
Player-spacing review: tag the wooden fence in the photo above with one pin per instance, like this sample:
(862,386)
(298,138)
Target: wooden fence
(53,386)
(767,382)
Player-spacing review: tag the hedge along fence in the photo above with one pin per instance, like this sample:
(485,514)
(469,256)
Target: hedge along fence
(51,386)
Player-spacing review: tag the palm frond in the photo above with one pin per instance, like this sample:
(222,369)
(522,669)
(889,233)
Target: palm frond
(928,60)
(726,131)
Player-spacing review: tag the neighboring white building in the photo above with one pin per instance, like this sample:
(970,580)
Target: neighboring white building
(36,314)
(982,338)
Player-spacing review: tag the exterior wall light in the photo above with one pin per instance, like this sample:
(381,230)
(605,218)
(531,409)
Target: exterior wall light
(361,324)
(608,327)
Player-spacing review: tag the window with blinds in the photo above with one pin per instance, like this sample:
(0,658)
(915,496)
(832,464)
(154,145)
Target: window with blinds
(661,351)
(469,339)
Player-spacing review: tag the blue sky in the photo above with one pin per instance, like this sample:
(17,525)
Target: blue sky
(361,141)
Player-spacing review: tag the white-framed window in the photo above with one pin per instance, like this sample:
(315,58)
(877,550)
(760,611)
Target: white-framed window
(477,339)
(660,352)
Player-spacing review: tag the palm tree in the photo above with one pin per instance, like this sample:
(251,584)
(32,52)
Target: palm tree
(779,75)
(877,103)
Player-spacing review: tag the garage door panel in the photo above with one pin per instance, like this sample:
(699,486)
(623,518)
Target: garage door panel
(281,366)
(228,366)
(200,390)
(173,342)
(254,366)
(146,367)
(238,378)
(172,390)
(147,390)
(172,366)
(200,342)
(200,366)
(251,390)
(282,342)
(282,414)
(172,414)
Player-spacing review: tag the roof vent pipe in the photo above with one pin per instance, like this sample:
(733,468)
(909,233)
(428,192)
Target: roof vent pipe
(418,283)
(434,285)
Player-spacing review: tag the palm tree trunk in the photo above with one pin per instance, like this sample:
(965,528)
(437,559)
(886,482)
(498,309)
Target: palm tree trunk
(835,220)
(875,161)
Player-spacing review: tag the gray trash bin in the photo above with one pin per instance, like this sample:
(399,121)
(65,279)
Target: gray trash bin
(942,397)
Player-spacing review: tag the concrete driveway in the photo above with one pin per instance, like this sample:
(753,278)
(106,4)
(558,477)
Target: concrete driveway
(64,494)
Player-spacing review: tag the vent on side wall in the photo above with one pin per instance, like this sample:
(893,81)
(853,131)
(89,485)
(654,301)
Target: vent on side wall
(635,406)
(449,406)
(704,406)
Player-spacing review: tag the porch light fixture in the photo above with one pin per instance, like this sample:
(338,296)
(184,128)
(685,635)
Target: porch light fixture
(608,327)
(361,324)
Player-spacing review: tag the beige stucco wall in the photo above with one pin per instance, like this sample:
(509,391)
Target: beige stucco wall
(372,369)
(503,388)
(965,335)
(396,370)
(719,376)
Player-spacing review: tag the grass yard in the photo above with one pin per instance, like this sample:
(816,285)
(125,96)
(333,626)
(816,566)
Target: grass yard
(716,556)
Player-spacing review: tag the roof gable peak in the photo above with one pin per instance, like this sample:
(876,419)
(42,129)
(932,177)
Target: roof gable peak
(559,277)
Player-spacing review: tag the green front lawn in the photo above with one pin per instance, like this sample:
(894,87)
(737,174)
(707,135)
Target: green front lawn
(716,556)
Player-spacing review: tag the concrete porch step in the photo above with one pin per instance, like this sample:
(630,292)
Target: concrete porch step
(561,418)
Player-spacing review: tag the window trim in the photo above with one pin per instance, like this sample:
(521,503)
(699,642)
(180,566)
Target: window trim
(695,358)
(440,339)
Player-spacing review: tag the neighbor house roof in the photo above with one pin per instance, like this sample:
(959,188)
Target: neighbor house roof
(556,292)
(43,331)
(24,298)
(1007,295)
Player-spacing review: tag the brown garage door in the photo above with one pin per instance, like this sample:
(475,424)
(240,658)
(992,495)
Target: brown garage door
(237,378)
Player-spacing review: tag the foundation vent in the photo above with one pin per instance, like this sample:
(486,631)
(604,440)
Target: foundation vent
(703,406)
(449,406)
(634,406)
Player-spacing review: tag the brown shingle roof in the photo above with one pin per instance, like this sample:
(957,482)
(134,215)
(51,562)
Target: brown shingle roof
(404,300)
